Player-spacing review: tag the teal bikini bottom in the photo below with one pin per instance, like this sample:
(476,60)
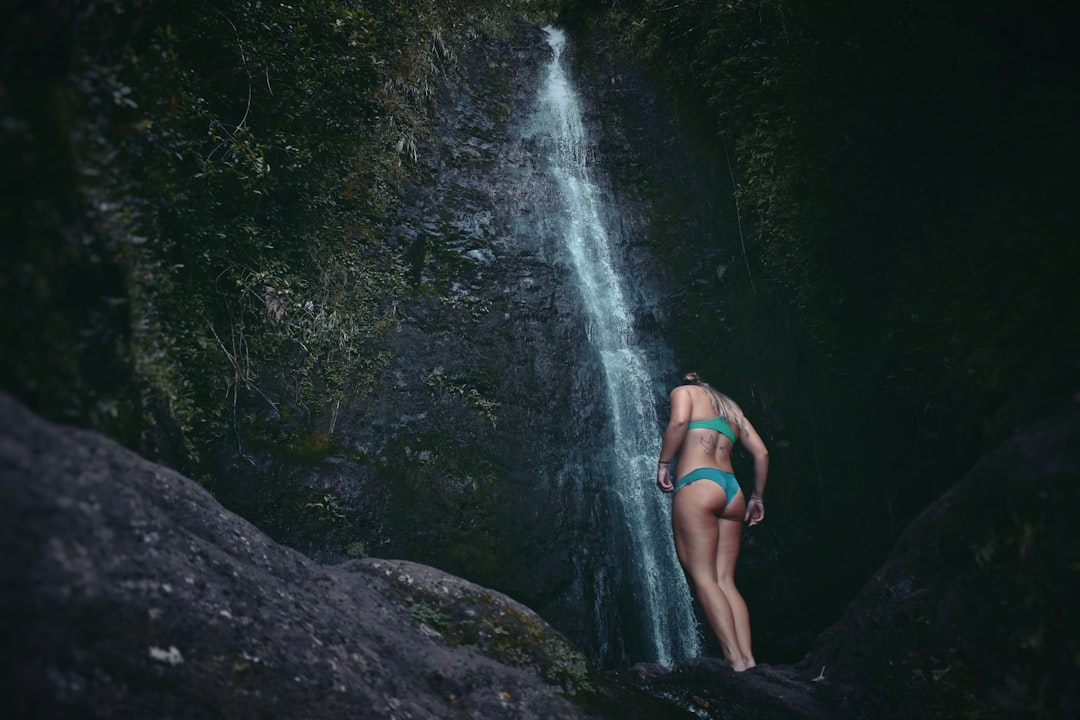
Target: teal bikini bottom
(721,477)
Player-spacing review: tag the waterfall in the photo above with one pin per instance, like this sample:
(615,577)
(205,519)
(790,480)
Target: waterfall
(639,574)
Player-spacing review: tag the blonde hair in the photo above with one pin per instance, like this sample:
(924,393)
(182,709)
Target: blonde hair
(724,406)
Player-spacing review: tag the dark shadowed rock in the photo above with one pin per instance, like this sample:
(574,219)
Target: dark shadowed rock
(972,616)
(974,613)
(711,689)
(128,591)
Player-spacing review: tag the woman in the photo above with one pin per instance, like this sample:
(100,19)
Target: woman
(709,508)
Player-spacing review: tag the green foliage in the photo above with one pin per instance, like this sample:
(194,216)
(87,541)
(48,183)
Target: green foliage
(438,382)
(230,172)
(537,11)
(284,280)
(326,504)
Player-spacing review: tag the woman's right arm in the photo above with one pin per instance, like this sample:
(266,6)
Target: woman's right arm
(681,407)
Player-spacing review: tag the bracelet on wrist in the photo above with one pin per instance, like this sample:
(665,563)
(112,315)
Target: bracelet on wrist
(757,497)
(664,462)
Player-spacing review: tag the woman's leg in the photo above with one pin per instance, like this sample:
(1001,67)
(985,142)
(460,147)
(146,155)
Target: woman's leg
(697,542)
(729,532)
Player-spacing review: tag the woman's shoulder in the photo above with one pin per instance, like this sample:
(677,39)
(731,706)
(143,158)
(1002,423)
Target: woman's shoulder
(682,395)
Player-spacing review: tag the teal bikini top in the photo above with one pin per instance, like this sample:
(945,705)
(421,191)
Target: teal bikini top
(717,423)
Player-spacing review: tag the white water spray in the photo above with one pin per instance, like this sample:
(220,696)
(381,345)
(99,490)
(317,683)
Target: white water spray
(658,585)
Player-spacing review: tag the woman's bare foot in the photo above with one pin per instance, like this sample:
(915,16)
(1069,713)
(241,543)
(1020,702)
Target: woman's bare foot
(743,664)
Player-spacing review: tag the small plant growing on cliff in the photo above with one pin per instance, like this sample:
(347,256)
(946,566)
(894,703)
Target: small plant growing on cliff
(437,381)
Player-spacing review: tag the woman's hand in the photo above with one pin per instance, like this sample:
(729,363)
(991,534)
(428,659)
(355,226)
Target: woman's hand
(755,510)
(663,478)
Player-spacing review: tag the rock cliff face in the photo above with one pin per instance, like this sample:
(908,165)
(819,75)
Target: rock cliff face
(446,461)
(492,393)
(440,462)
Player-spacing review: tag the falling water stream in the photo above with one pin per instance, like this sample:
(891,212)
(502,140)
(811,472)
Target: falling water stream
(641,526)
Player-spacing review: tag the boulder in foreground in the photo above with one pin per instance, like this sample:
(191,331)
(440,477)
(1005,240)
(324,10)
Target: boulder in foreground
(128,591)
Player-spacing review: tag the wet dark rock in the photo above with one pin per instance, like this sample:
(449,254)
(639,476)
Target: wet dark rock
(454,457)
(128,591)
(709,688)
(440,461)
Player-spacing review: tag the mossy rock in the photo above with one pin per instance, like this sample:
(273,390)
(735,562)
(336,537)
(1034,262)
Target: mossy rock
(475,617)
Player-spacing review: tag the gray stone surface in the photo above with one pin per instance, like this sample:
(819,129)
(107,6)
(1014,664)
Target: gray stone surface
(128,591)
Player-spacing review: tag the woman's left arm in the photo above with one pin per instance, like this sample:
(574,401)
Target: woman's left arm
(755,506)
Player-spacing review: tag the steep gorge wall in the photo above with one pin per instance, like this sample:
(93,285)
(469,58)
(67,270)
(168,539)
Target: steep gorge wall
(341,309)
(441,462)
(434,462)
(491,395)
(160,284)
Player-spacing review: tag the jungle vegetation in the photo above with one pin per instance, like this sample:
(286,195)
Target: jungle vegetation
(195,197)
